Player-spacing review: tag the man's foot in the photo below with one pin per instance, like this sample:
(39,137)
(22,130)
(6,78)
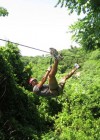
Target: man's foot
(55,54)
(76,65)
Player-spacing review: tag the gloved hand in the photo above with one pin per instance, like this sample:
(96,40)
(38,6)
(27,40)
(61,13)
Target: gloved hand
(49,68)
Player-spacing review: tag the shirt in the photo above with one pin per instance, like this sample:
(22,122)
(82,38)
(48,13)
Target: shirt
(41,91)
(44,91)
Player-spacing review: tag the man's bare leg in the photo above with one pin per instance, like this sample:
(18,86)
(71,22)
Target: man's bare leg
(70,74)
(53,84)
(54,69)
(57,57)
(63,80)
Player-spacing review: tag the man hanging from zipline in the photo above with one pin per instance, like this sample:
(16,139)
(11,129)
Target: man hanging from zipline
(53,88)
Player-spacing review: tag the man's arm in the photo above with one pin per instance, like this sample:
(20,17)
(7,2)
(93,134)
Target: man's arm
(40,84)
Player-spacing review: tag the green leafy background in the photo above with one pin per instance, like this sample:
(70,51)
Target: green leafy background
(72,115)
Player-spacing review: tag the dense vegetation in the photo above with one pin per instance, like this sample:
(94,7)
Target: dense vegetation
(86,30)
(72,115)
(75,114)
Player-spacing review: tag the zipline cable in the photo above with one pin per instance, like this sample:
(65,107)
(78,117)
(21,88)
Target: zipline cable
(23,45)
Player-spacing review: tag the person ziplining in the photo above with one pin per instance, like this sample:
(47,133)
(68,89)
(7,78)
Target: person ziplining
(53,88)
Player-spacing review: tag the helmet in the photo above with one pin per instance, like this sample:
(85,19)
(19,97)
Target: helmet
(31,79)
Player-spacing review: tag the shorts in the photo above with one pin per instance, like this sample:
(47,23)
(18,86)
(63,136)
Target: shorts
(57,91)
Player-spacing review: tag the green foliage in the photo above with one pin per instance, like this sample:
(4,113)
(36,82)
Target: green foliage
(72,115)
(14,103)
(3,12)
(80,6)
(85,30)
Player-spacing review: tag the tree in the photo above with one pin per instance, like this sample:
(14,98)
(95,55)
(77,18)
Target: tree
(79,6)
(85,31)
(3,12)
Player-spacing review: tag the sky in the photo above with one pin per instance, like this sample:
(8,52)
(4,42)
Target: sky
(36,23)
